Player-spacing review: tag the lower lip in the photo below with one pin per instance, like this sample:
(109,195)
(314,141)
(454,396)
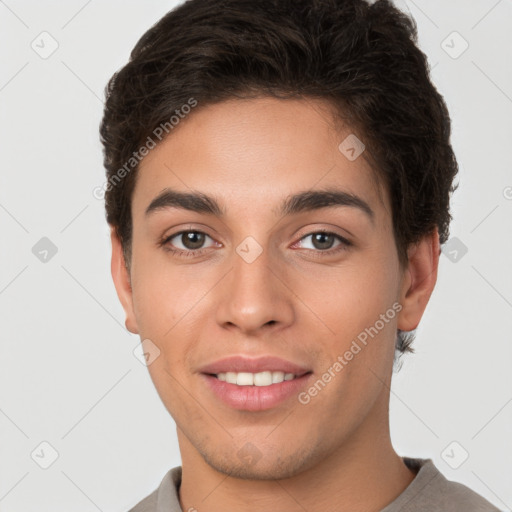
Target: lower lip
(256,398)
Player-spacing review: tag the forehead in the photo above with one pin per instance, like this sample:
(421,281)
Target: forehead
(251,151)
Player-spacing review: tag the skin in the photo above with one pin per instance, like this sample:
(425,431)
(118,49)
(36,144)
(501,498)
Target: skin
(294,301)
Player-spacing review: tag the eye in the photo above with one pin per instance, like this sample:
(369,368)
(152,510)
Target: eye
(191,242)
(325,241)
(186,242)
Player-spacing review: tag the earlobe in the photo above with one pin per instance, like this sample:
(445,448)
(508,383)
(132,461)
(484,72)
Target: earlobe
(419,280)
(122,283)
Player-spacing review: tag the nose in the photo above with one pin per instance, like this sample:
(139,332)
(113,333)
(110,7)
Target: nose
(254,295)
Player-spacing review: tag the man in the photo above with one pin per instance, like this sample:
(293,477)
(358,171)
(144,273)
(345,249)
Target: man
(278,184)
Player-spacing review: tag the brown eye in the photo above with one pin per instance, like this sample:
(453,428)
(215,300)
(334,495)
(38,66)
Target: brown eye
(323,240)
(192,239)
(191,242)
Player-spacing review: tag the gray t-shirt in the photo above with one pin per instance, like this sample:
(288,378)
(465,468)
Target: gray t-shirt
(430,491)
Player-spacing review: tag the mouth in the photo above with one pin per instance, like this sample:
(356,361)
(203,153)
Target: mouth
(255,392)
(254,384)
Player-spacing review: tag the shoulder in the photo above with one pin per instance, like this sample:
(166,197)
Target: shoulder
(148,504)
(164,497)
(457,496)
(431,491)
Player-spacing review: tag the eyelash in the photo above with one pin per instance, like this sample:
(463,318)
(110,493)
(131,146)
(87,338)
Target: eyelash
(343,246)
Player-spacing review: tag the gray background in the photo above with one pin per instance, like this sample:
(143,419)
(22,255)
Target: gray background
(68,374)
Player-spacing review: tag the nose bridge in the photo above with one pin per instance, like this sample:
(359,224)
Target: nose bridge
(253,296)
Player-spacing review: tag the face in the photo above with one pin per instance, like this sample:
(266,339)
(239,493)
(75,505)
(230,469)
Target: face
(251,273)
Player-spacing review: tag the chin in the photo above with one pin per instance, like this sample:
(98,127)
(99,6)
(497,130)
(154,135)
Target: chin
(270,466)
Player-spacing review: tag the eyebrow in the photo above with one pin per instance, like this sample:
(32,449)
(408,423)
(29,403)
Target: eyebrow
(309,200)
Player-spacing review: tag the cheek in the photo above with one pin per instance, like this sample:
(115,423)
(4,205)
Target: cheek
(164,295)
(357,355)
(355,300)
(360,309)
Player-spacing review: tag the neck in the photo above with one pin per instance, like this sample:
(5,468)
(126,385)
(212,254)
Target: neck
(363,474)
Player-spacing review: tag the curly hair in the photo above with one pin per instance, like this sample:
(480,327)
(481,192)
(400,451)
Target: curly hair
(361,57)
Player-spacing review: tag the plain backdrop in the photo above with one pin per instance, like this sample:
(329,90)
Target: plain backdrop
(74,397)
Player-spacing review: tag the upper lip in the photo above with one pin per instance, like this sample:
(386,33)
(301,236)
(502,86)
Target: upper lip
(253,365)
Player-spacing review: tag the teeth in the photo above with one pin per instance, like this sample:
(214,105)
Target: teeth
(245,379)
(278,377)
(255,379)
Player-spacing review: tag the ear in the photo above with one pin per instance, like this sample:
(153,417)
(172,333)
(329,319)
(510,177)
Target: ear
(122,283)
(419,280)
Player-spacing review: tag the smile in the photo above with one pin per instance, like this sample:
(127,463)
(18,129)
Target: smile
(255,391)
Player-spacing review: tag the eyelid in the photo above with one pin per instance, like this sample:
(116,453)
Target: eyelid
(330,231)
(167,238)
(344,242)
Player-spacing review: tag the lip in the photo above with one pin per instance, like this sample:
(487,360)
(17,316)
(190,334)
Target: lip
(255,398)
(253,365)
